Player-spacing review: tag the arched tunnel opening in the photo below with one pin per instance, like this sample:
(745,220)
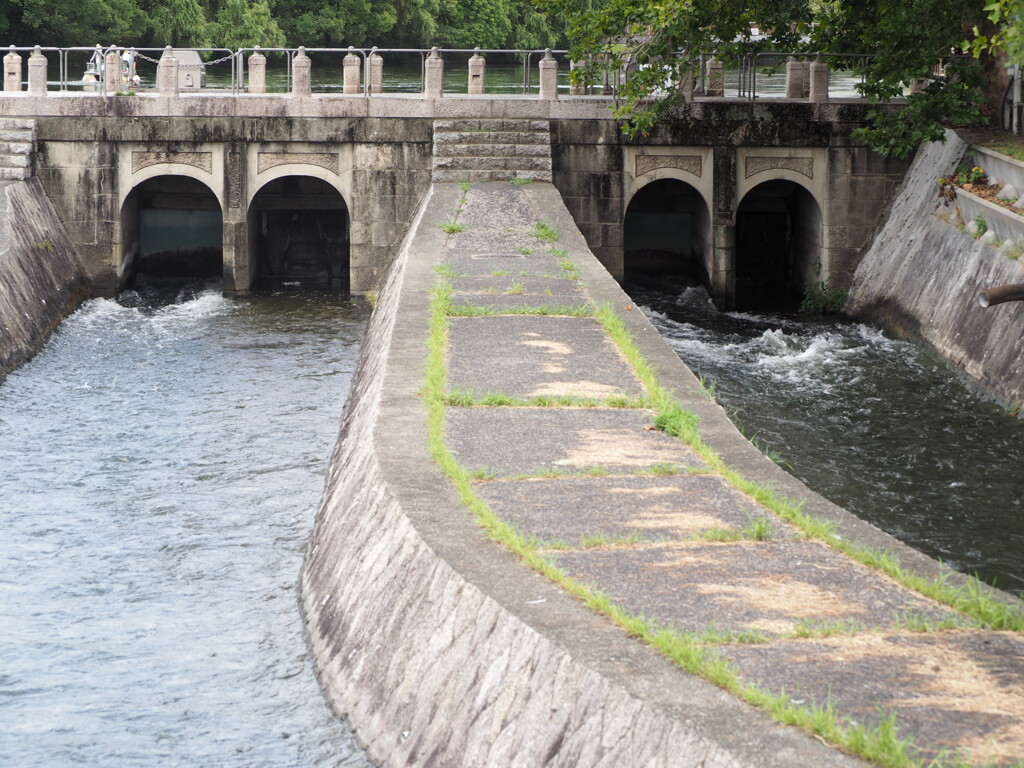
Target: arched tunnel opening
(778,246)
(298,235)
(171,227)
(666,235)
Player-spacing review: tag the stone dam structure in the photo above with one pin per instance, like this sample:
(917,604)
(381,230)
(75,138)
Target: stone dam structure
(433,641)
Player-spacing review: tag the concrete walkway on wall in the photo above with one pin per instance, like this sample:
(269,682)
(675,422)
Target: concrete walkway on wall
(557,432)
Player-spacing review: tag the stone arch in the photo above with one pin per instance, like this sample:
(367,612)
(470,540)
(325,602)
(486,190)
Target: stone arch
(340,179)
(779,242)
(205,177)
(171,225)
(298,232)
(666,229)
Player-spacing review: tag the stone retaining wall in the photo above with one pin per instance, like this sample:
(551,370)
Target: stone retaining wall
(41,279)
(922,275)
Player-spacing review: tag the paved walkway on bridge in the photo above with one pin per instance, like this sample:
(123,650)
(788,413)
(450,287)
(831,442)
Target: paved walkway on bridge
(638,515)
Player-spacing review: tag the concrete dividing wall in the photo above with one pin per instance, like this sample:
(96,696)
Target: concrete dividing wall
(41,278)
(438,647)
(922,275)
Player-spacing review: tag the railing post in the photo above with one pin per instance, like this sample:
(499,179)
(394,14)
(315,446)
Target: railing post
(579,88)
(12,71)
(807,79)
(376,68)
(257,72)
(302,84)
(716,79)
(37,73)
(685,83)
(819,81)
(112,81)
(433,82)
(350,66)
(476,72)
(548,76)
(167,73)
(794,79)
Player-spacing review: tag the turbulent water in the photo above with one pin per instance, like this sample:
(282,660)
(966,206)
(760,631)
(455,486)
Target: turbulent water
(162,460)
(877,425)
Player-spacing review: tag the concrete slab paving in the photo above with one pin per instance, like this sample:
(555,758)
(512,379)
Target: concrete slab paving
(964,687)
(770,587)
(648,509)
(516,303)
(551,287)
(564,440)
(500,259)
(547,356)
(951,689)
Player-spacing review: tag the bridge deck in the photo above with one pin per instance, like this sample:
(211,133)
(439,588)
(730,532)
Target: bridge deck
(553,442)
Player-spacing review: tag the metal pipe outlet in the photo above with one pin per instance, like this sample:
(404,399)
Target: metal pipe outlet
(1001,294)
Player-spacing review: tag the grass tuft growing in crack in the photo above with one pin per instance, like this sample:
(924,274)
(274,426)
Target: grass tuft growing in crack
(545,233)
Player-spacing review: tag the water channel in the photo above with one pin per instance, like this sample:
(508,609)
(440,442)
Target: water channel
(162,462)
(878,425)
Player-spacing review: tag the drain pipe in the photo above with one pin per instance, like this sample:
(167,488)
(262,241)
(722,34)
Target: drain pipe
(1001,294)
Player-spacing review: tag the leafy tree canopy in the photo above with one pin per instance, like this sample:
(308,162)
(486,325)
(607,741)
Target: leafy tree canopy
(906,39)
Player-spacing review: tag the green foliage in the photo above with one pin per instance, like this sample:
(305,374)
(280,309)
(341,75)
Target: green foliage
(545,233)
(980,225)
(975,175)
(241,24)
(659,41)
(822,298)
(181,23)
(62,22)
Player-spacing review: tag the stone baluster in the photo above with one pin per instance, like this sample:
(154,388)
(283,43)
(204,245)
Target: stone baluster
(376,67)
(685,83)
(302,84)
(577,88)
(351,66)
(794,79)
(37,73)
(167,73)
(433,80)
(476,72)
(548,76)
(715,79)
(819,81)
(257,72)
(12,71)
(112,80)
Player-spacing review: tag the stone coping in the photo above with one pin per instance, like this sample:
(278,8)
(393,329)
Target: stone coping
(489,106)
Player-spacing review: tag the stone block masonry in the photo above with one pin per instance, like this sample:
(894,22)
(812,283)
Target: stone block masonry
(41,279)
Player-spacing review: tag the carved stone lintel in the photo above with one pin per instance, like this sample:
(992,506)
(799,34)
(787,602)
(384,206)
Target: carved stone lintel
(801,165)
(326,160)
(234,180)
(689,163)
(201,160)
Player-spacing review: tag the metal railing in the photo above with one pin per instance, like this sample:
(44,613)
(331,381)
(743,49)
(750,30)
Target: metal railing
(226,69)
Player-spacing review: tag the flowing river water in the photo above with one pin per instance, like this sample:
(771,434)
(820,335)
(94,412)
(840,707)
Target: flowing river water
(877,425)
(162,459)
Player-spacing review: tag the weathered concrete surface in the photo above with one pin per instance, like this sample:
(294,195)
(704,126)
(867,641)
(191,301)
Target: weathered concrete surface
(41,279)
(442,650)
(437,646)
(922,275)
